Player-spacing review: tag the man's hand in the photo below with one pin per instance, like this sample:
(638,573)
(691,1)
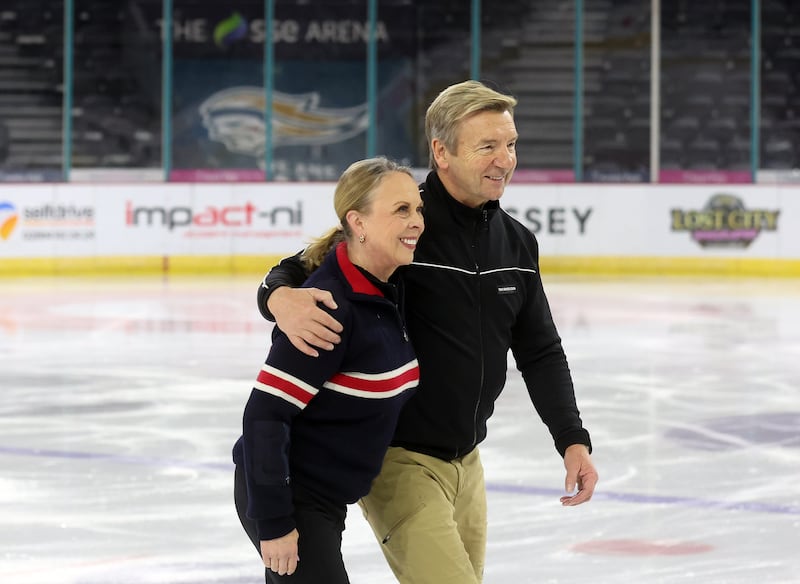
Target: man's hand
(306,324)
(280,554)
(580,473)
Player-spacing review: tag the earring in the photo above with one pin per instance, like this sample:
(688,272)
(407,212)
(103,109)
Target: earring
(362,238)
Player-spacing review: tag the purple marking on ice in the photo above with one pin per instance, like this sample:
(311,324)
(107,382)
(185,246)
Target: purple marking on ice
(750,506)
(779,429)
(655,499)
(114,458)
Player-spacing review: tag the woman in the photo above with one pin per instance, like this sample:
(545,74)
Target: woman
(315,429)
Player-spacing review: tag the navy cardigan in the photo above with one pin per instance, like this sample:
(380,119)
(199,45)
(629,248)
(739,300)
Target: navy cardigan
(325,422)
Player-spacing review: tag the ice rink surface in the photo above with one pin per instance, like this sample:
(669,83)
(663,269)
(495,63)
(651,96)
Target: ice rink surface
(121,399)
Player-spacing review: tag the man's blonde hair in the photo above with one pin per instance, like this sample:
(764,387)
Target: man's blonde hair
(457,103)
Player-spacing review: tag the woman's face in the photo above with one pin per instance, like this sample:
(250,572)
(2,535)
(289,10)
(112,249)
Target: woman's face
(391,228)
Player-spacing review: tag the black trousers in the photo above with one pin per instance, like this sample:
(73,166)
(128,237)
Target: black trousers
(320,524)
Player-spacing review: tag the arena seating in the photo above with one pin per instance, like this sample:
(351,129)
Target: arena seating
(116,115)
(526,49)
(30,86)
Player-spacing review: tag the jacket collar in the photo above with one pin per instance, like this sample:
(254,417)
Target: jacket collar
(358,281)
(460,211)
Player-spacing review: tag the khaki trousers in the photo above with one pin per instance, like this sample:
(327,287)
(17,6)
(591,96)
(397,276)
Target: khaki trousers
(429,516)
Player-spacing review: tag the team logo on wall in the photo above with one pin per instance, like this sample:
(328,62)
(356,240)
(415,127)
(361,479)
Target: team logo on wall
(8,219)
(235,117)
(230,30)
(724,222)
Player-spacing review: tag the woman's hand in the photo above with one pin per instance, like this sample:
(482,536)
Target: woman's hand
(280,554)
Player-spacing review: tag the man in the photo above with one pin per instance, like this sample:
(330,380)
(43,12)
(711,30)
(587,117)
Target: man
(472,293)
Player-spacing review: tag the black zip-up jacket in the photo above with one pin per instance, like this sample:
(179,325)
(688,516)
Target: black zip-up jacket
(472,293)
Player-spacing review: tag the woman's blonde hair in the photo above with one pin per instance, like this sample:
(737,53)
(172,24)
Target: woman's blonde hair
(354,192)
(455,104)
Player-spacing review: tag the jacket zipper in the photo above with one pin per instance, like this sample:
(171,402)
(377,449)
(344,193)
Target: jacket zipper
(400,320)
(481,226)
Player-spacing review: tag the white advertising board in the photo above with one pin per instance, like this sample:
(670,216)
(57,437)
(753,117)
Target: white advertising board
(162,219)
(666,221)
(102,220)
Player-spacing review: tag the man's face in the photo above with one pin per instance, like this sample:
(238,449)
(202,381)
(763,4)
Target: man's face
(484,160)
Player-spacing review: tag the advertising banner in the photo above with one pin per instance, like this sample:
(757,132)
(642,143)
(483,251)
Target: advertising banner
(623,221)
(669,221)
(162,220)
